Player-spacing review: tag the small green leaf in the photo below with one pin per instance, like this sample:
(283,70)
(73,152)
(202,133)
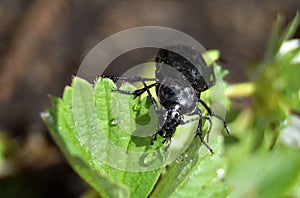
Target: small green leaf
(211,56)
(274,41)
(290,29)
(287,82)
(278,37)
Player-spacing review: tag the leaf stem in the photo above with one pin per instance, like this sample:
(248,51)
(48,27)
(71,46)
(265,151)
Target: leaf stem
(240,90)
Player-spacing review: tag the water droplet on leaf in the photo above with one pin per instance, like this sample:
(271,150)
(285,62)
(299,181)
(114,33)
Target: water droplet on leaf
(148,158)
(136,107)
(114,122)
(221,172)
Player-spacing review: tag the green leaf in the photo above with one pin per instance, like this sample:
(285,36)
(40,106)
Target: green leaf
(211,56)
(193,175)
(61,126)
(105,135)
(278,37)
(291,29)
(82,125)
(2,146)
(274,42)
(287,81)
(207,177)
(264,174)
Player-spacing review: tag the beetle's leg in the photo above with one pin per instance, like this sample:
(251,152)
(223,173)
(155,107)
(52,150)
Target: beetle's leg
(188,121)
(210,126)
(211,113)
(169,144)
(153,101)
(128,79)
(196,119)
(137,92)
(199,131)
(154,136)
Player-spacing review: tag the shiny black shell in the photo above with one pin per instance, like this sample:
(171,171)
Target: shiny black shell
(182,77)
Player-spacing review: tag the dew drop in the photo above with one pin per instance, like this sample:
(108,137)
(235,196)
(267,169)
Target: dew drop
(148,158)
(93,127)
(136,107)
(221,172)
(114,122)
(181,158)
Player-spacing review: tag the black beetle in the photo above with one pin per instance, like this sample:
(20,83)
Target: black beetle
(178,88)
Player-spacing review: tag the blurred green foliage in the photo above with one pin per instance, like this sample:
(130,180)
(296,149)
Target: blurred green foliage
(260,165)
